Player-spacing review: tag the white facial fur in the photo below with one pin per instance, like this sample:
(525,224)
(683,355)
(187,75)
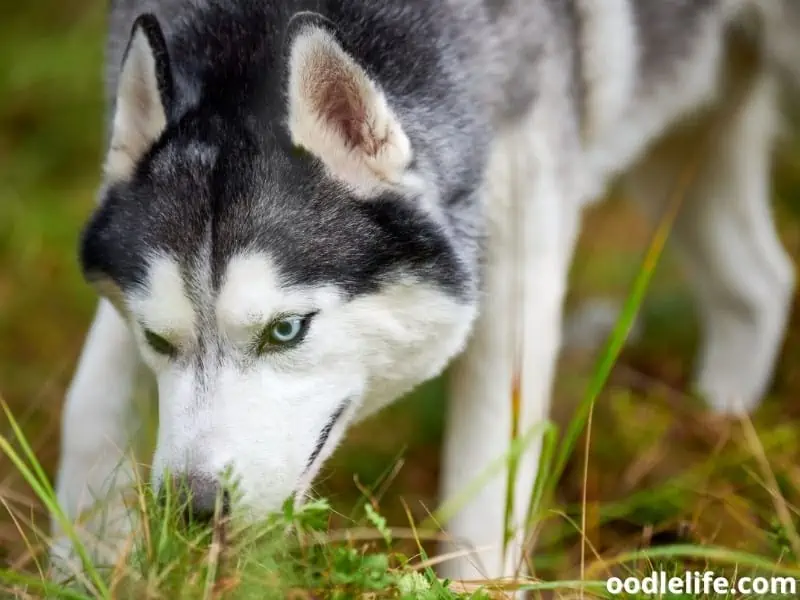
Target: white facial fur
(223,407)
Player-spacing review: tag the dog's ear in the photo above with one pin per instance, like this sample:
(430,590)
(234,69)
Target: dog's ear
(144,95)
(340,115)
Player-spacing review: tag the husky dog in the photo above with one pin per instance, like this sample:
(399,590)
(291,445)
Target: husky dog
(310,207)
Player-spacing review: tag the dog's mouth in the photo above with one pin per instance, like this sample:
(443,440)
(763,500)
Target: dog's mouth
(305,479)
(326,432)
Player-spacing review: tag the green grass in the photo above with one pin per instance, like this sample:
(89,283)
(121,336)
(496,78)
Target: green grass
(296,554)
(637,475)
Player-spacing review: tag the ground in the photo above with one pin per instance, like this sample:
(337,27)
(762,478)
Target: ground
(661,470)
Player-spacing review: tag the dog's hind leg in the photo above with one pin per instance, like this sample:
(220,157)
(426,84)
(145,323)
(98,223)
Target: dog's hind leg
(741,276)
(95,439)
(533,227)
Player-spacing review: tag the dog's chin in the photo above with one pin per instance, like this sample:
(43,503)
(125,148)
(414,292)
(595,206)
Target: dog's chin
(301,497)
(303,492)
(330,438)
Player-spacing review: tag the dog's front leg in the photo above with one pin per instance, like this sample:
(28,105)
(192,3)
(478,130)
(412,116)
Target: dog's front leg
(534,222)
(96,432)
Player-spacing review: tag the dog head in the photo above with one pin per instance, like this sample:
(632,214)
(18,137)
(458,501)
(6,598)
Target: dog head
(282,270)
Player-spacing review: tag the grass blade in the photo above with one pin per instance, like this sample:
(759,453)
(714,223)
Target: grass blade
(46,494)
(624,324)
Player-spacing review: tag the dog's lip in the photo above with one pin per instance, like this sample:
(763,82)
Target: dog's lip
(326,431)
(300,493)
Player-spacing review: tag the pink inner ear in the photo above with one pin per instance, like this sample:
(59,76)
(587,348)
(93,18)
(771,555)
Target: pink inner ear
(339,100)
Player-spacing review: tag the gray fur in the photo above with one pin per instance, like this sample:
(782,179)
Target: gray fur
(667,31)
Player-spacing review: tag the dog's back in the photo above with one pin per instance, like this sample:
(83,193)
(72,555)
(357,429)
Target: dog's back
(630,68)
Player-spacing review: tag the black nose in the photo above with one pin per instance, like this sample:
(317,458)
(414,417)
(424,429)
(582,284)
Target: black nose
(201,498)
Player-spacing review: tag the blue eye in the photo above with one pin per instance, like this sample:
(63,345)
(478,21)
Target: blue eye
(284,332)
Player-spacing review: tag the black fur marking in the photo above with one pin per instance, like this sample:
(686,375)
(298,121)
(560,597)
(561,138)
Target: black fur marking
(252,191)
(326,432)
(259,196)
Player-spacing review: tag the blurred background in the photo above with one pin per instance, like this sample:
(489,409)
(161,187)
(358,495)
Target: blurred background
(661,470)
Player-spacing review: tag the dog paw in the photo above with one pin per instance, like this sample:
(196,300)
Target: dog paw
(104,540)
(725,398)
(99,504)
